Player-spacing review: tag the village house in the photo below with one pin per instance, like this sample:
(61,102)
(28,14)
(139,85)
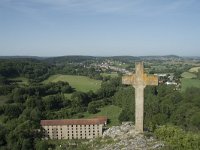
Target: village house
(74,128)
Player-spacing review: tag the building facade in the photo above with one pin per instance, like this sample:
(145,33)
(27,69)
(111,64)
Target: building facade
(74,128)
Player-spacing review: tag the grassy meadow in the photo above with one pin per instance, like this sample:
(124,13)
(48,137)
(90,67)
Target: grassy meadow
(111,111)
(80,83)
(188,75)
(194,69)
(186,82)
(189,79)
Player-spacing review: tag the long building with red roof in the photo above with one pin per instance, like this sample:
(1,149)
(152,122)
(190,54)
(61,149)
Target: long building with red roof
(74,128)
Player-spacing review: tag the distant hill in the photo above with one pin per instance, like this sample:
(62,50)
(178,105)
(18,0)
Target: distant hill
(22,57)
(80,58)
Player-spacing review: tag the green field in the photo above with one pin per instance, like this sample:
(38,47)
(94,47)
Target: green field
(194,69)
(80,83)
(188,75)
(185,83)
(112,74)
(111,111)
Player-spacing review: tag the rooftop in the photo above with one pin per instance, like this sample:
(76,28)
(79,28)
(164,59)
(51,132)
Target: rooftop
(93,121)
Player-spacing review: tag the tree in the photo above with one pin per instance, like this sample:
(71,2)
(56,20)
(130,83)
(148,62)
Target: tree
(3,133)
(92,108)
(108,88)
(3,80)
(125,97)
(198,74)
(126,115)
(22,135)
(176,138)
(13,110)
(19,95)
(35,115)
(195,120)
(53,102)
(81,98)
(41,145)
(26,145)
(34,101)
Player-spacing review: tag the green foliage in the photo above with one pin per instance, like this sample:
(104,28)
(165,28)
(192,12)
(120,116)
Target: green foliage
(34,101)
(126,115)
(26,144)
(176,138)
(125,97)
(198,74)
(13,111)
(92,107)
(108,88)
(195,120)
(6,89)
(22,136)
(18,95)
(35,71)
(21,94)
(3,80)
(27,103)
(79,101)
(188,83)
(53,102)
(3,133)
(41,145)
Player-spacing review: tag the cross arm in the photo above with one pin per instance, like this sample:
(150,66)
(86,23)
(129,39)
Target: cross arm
(128,79)
(150,79)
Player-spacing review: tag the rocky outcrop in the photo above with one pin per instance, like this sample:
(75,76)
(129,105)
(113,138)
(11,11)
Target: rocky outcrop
(125,137)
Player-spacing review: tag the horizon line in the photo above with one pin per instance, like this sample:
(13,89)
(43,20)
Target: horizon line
(98,55)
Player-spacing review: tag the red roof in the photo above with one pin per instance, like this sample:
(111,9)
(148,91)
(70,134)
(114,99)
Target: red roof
(97,120)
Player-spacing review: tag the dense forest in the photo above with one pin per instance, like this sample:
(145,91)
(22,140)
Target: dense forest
(168,112)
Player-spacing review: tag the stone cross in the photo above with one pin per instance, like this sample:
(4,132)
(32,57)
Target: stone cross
(139,80)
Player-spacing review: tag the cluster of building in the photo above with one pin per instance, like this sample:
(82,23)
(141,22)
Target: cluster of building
(113,68)
(167,79)
(74,128)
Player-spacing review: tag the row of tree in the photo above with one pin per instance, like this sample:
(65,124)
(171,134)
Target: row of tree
(162,105)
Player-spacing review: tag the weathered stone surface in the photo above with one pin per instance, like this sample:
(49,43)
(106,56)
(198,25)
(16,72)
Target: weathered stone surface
(117,131)
(125,137)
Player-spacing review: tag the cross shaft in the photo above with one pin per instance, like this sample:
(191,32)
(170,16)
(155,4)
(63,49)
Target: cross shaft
(139,80)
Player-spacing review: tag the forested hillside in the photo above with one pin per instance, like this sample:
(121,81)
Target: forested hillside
(168,111)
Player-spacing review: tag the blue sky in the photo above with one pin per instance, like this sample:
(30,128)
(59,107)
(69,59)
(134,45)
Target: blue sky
(99,27)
